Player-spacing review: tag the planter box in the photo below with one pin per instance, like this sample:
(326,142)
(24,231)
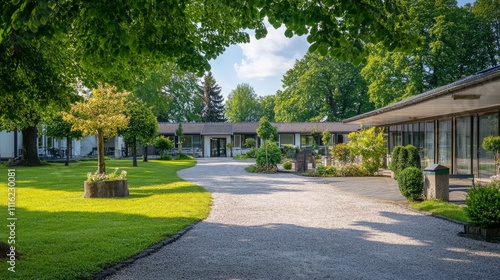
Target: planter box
(487,234)
(116,188)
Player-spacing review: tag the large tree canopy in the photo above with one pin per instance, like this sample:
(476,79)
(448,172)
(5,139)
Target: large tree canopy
(242,105)
(320,87)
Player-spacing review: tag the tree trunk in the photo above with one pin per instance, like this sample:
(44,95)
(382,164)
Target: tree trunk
(134,152)
(145,153)
(68,150)
(30,147)
(101,166)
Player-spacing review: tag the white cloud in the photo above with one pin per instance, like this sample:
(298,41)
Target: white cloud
(271,56)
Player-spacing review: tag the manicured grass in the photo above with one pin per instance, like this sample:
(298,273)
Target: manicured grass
(61,235)
(442,208)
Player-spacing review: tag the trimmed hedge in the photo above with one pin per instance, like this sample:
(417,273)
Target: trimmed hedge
(483,205)
(411,183)
(393,166)
(287,165)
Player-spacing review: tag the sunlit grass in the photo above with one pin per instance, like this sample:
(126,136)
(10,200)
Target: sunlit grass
(61,235)
(442,208)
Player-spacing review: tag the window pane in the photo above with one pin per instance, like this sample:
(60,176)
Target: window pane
(429,144)
(286,139)
(463,145)
(237,141)
(445,138)
(488,125)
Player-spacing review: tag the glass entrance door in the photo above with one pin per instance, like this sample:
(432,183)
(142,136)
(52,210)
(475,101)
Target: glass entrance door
(218,147)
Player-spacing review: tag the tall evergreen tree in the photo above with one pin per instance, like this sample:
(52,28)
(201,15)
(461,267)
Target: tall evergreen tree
(213,101)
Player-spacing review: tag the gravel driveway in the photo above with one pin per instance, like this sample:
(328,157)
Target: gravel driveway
(283,226)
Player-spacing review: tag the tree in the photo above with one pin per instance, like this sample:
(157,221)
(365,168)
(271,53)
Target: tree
(102,114)
(32,88)
(163,144)
(267,107)
(368,144)
(142,126)
(490,12)
(58,128)
(180,137)
(213,107)
(267,132)
(319,88)
(456,43)
(242,105)
(326,137)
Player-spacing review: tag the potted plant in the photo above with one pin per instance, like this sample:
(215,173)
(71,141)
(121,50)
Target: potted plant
(492,143)
(106,185)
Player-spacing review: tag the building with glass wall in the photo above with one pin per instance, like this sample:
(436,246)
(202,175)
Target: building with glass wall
(447,124)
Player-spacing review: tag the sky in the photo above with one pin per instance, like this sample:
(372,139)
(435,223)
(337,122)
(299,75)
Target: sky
(262,63)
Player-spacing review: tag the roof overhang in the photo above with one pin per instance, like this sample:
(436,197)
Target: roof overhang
(480,92)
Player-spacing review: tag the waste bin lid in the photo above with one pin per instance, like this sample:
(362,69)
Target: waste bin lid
(437,168)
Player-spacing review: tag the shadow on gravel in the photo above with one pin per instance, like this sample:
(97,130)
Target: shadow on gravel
(400,249)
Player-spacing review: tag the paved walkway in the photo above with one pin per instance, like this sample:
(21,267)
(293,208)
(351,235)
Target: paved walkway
(283,226)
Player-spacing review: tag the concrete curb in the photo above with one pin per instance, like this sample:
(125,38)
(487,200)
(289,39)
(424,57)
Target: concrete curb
(152,249)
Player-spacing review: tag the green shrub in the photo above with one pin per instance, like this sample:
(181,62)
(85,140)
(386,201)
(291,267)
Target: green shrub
(341,153)
(250,143)
(251,153)
(182,156)
(353,170)
(287,165)
(290,151)
(402,163)
(370,145)
(273,154)
(331,171)
(321,170)
(166,157)
(393,166)
(411,183)
(241,157)
(483,205)
(413,157)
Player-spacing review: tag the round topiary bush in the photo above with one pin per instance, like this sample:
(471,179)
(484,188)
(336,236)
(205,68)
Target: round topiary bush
(402,163)
(483,205)
(411,183)
(273,155)
(287,165)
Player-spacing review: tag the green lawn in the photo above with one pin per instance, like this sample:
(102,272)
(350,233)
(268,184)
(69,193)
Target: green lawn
(442,208)
(61,235)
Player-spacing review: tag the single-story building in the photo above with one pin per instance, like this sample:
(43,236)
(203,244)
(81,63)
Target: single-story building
(210,139)
(447,124)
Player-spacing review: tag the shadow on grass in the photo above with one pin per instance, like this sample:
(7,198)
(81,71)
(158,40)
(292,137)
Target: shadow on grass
(78,245)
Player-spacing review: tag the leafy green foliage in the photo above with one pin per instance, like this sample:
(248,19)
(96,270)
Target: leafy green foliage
(492,143)
(268,154)
(290,151)
(353,170)
(163,144)
(402,163)
(371,146)
(266,130)
(321,86)
(251,153)
(342,153)
(413,157)
(182,156)
(287,165)
(411,183)
(250,143)
(393,166)
(483,205)
(242,105)
(267,107)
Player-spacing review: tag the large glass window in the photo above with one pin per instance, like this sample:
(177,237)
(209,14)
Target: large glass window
(463,145)
(445,142)
(429,144)
(237,141)
(488,125)
(196,141)
(287,139)
(395,137)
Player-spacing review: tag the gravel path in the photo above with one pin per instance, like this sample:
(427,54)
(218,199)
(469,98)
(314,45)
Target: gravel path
(283,226)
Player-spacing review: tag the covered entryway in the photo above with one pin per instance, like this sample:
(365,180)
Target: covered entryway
(218,147)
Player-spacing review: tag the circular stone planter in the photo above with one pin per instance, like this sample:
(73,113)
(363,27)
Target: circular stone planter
(116,188)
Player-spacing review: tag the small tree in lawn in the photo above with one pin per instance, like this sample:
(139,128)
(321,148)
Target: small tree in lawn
(266,132)
(492,143)
(326,137)
(142,126)
(59,128)
(102,113)
(180,137)
(163,144)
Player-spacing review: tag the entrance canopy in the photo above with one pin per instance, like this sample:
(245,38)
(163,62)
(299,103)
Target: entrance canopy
(479,92)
